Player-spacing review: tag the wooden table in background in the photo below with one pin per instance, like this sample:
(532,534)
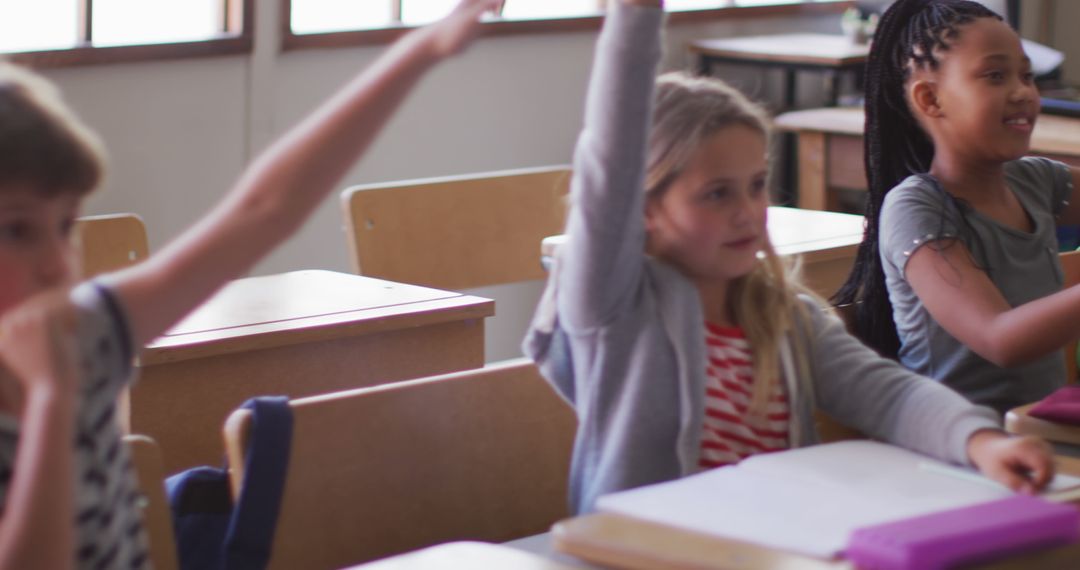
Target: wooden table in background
(829,53)
(830,149)
(296,334)
(826,241)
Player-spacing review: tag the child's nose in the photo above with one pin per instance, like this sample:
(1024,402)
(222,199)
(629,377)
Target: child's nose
(54,263)
(744,210)
(1025,91)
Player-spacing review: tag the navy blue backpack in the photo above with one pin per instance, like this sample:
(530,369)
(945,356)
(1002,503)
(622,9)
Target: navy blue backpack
(211,532)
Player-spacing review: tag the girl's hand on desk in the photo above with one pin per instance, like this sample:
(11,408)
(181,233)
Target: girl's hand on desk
(1024,464)
(456,31)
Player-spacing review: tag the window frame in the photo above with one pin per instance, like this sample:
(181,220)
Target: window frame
(237,38)
(380,36)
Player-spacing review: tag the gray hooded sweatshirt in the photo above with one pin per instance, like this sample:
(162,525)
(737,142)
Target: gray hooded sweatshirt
(621,336)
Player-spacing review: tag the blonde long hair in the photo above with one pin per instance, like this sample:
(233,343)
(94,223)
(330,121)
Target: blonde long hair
(688,110)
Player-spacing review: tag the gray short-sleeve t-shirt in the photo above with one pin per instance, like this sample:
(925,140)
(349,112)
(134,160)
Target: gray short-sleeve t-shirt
(1023,266)
(108,514)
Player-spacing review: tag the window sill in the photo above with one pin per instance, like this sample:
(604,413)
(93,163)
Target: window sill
(89,55)
(381,36)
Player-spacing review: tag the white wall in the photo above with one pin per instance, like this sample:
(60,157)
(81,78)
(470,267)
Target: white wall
(180,132)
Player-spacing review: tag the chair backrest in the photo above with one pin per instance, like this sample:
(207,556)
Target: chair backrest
(110,242)
(476,455)
(156,516)
(456,233)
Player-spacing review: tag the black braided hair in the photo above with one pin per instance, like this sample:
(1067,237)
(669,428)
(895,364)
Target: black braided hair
(895,146)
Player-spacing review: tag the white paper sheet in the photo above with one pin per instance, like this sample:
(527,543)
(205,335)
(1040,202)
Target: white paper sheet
(809,500)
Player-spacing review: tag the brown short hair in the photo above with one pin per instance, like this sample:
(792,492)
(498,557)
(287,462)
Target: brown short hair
(44,146)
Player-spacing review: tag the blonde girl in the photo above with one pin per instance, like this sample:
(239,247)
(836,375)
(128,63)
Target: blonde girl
(670,325)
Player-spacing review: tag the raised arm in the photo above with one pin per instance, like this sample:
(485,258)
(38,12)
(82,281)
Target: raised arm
(285,184)
(601,265)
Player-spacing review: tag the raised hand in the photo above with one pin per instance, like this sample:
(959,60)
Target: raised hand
(456,31)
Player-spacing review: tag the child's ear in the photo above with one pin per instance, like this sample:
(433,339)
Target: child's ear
(924,98)
(652,210)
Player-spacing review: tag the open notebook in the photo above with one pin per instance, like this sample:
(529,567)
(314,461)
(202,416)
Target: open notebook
(810,500)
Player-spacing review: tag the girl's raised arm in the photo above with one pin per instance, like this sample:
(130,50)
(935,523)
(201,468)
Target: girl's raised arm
(601,266)
(285,184)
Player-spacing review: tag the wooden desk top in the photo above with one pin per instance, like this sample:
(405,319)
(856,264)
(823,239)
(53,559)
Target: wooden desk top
(816,234)
(829,50)
(303,306)
(623,542)
(1053,134)
(631,544)
(1018,421)
(463,556)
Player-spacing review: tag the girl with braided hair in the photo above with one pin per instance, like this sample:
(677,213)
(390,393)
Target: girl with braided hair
(958,275)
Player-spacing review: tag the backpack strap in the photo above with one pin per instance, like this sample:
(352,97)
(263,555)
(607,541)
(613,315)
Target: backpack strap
(251,530)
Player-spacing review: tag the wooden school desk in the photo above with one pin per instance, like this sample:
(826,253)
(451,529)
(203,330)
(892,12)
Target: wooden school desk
(830,149)
(831,54)
(1018,421)
(297,334)
(827,242)
(612,541)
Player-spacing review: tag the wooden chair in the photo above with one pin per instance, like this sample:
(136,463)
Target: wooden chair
(456,233)
(477,455)
(156,516)
(110,242)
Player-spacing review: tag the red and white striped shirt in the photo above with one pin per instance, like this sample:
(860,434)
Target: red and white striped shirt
(728,435)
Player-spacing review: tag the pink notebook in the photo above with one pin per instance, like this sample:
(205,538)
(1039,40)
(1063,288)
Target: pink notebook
(1062,406)
(967,535)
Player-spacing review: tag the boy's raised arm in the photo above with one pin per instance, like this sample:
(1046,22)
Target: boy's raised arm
(285,184)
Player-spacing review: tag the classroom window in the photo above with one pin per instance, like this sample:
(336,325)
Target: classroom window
(384,19)
(43,24)
(120,22)
(61,32)
(318,16)
(322,16)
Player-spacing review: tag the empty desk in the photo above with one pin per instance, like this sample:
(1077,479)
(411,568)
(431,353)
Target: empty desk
(296,334)
(830,149)
(826,241)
